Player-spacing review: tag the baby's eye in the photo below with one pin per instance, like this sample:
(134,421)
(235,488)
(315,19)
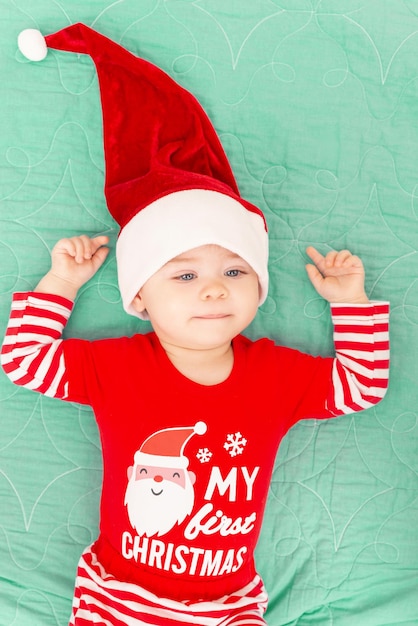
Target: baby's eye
(233,273)
(186,277)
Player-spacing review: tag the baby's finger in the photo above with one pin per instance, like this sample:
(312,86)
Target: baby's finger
(99,257)
(83,248)
(66,246)
(98,242)
(353,261)
(331,258)
(315,276)
(342,257)
(88,246)
(316,257)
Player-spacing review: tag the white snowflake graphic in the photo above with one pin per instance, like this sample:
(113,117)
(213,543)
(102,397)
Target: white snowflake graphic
(204,455)
(235,444)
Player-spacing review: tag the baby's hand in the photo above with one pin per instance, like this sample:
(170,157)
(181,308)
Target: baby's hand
(73,262)
(337,277)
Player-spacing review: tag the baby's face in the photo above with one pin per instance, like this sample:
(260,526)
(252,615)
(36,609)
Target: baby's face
(201,298)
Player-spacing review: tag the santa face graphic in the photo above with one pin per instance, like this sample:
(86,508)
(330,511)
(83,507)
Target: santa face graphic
(157,498)
(160,490)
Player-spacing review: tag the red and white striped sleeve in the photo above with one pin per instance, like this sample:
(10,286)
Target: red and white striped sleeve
(32,352)
(360,372)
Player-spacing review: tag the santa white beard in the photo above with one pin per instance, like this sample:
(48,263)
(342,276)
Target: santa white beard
(153,514)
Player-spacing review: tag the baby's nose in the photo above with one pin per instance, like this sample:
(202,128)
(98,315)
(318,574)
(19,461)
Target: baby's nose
(215,289)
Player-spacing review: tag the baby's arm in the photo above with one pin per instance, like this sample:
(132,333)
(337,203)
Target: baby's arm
(361,331)
(32,354)
(73,262)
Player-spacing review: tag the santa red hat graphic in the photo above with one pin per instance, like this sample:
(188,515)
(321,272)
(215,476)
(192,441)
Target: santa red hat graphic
(168,182)
(165,448)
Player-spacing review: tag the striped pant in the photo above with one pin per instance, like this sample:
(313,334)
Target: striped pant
(102,600)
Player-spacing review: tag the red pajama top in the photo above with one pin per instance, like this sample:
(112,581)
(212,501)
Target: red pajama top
(186,466)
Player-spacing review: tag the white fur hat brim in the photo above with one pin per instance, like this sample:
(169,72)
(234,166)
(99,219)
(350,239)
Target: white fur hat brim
(179,222)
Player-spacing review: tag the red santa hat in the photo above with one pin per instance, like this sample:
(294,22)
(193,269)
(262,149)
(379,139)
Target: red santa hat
(165,447)
(168,182)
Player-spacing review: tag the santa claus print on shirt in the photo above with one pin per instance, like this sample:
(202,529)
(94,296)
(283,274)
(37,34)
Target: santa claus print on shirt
(160,489)
(161,495)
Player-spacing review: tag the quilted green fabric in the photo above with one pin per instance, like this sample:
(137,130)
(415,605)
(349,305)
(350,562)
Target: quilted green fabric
(316,103)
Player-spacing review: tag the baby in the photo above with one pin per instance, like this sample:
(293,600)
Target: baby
(191,414)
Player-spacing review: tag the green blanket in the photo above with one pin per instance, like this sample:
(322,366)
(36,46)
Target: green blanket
(316,104)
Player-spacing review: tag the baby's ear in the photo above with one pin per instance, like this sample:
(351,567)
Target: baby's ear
(138,303)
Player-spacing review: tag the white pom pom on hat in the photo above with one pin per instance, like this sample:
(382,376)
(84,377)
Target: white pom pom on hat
(32,44)
(168,182)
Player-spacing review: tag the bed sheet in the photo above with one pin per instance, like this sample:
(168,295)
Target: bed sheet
(316,106)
